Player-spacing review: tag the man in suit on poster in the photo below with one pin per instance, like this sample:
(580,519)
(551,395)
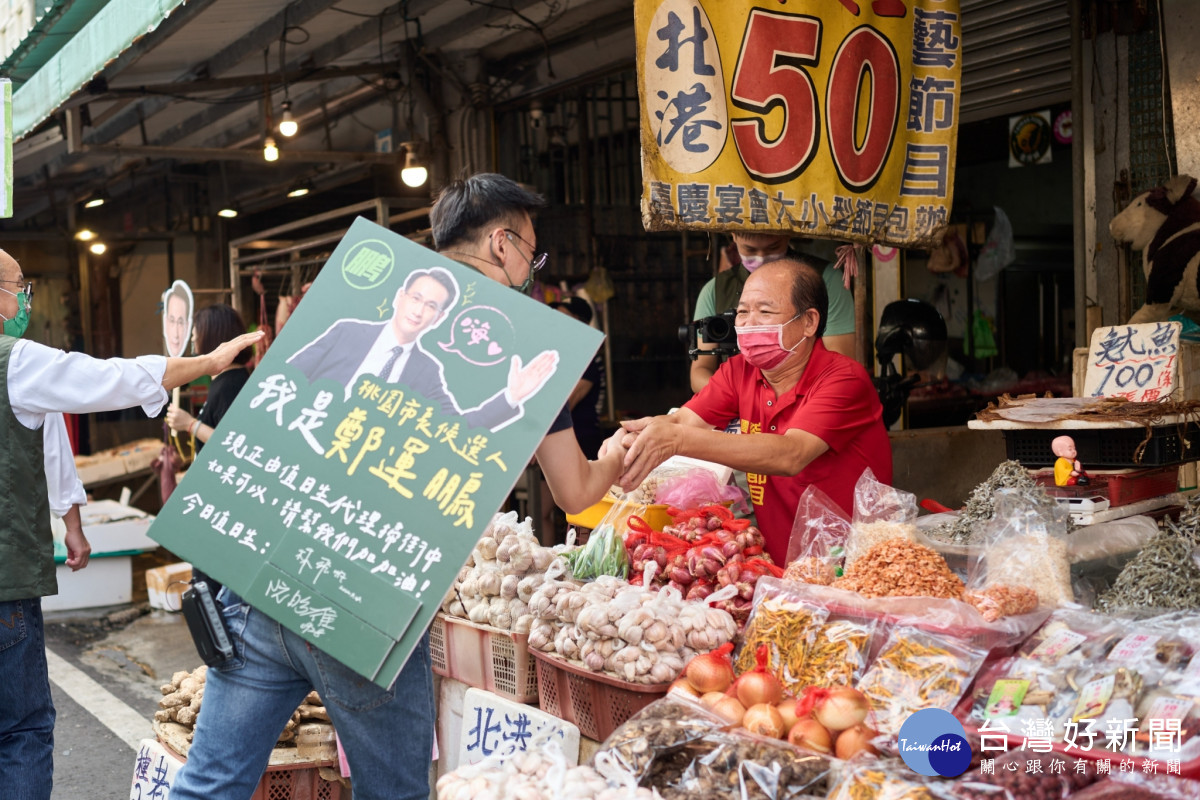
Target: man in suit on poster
(391,351)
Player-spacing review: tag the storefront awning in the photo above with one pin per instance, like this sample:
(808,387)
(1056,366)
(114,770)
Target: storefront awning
(109,33)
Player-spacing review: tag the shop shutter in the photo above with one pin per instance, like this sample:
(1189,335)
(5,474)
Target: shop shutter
(1016,56)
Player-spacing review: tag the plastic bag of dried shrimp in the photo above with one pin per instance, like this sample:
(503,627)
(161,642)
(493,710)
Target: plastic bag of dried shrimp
(818,541)
(1023,554)
(881,513)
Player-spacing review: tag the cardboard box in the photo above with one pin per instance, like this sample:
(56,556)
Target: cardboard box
(113,528)
(166,585)
(105,581)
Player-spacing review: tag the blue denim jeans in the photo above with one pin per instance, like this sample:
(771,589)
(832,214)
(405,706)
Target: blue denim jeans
(26,709)
(387,733)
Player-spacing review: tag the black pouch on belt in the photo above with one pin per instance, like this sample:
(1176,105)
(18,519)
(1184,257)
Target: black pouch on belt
(206,625)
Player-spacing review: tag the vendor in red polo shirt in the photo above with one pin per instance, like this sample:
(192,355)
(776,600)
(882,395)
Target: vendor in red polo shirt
(808,415)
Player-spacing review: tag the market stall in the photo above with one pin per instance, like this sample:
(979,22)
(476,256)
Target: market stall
(1058,641)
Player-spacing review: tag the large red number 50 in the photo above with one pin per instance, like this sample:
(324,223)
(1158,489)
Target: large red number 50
(864,51)
(769,74)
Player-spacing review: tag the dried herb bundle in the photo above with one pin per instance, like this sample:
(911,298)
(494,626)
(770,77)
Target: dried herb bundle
(1163,575)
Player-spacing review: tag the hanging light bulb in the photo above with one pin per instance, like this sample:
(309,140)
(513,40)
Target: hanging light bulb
(300,189)
(270,150)
(287,123)
(414,173)
(97,200)
(98,248)
(228,212)
(85,235)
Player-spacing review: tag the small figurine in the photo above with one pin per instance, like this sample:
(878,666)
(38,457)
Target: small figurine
(1067,471)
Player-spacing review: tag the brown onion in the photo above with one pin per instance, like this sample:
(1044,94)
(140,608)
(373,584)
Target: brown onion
(710,699)
(811,735)
(758,685)
(683,686)
(764,720)
(855,740)
(787,710)
(837,709)
(730,710)
(711,672)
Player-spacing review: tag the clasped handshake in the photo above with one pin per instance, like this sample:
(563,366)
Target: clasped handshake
(646,443)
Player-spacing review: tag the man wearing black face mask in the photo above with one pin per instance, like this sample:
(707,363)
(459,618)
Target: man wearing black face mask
(812,415)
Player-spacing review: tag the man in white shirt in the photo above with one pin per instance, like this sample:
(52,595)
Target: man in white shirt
(37,475)
(393,353)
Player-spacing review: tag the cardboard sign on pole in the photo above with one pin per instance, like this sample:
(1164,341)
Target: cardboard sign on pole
(348,483)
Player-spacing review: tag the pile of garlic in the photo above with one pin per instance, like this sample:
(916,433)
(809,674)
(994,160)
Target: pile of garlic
(539,773)
(507,565)
(625,631)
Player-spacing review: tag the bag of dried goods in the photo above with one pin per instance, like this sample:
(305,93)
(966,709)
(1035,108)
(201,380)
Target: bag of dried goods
(807,645)
(917,670)
(887,779)
(881,513)
(679,749)
(818,542)
(1026,775)
(1121,785)
(696,487)
(1023,547)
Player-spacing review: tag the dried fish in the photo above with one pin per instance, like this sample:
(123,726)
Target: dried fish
(980,507)
(1163,575)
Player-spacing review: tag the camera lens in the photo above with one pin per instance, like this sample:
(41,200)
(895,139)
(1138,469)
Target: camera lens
(719,329)
(687,335)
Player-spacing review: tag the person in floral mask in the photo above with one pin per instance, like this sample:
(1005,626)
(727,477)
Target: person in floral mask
(809,416)
(748,252)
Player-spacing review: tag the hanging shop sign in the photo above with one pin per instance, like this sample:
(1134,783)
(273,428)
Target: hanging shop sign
(1029,138)
(833,119)
(345,487)
(6,151)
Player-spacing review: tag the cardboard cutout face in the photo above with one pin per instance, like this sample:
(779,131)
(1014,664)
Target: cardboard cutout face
(177,318)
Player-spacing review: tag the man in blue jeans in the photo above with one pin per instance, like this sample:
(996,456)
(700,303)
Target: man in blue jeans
(484,223)
(37,475)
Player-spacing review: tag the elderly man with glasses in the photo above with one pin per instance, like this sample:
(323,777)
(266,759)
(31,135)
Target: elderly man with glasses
(36,465)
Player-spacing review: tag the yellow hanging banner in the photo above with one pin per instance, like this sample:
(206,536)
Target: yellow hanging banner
(826,118)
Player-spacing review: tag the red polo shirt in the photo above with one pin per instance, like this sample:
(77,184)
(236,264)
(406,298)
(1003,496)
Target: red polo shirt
(835,401)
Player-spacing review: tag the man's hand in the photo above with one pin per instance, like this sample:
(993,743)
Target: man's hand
(524,382)
(224,354)
(78,549)
(655,440)
(615,444)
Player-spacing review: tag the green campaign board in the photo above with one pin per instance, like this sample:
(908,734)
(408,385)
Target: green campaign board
(346,486)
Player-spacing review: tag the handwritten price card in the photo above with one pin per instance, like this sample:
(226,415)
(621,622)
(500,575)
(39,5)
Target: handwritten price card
(1137,362)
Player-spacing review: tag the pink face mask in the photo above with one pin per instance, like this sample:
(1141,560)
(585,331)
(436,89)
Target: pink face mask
(762,345)
(752,263)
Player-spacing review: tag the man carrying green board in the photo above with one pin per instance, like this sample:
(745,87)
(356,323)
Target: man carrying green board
(484,223)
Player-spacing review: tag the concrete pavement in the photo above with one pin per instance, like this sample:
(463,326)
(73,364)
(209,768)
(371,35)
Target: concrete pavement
(106,666)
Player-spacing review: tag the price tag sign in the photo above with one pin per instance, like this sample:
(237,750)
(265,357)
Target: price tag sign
(1137,362)
(835,120)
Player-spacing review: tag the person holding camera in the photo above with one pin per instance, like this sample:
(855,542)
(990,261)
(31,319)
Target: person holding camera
(809,416)
(720,295)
